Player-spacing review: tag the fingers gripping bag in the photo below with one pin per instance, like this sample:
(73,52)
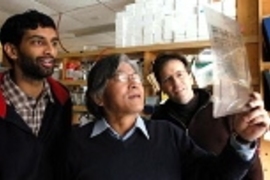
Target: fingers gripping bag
(232,79)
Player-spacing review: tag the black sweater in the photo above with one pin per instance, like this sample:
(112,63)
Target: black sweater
(24,156)
(168,155)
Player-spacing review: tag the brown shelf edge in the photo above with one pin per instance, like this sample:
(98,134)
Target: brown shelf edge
(73,82)
(251,39)
(136,49)
(189,45)
(265,65)
(255,81)
(79,108)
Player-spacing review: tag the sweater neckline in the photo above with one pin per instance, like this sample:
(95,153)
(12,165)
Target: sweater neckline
(111,139)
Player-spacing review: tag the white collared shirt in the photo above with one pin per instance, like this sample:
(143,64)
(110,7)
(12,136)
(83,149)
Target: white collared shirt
(102,125)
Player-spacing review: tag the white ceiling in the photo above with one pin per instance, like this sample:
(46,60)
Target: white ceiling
(79,21)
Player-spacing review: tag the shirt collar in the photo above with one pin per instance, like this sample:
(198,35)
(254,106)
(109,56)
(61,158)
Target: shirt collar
(47,91)
(9,85)
(101,125)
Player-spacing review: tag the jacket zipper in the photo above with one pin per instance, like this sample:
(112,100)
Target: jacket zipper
(182,124)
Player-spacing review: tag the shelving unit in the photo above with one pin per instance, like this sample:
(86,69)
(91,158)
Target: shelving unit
(264,65)
(188,47)
(249,15)
(74,82)
(147,53)
(79,108)
(254,13)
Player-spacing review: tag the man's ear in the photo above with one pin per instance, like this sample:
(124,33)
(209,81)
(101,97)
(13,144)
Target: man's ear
(98,100)
(11,51)
(192,79)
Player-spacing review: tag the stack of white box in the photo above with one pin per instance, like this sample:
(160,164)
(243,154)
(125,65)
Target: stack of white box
(120,30)
(148,22)
(130,29)
(202,25)
(186,16)
(229,8)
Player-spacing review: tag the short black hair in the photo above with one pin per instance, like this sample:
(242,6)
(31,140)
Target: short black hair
(14,27)
(163,58)
(103,70)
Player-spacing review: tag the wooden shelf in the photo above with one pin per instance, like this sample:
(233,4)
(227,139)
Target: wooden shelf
(74,82)
(191,46)
(251,39)
(263,10)
(249,16)
(194,45)
(265,65)
(255,81)
(79,108)
(84,83)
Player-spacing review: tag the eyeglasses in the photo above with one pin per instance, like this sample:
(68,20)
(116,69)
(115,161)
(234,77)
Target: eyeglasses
(123,77)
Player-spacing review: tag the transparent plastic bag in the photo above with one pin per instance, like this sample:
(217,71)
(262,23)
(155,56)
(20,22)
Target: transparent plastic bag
(232,80)
(202,69)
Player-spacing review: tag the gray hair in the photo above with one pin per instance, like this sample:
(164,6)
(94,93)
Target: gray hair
(98,77)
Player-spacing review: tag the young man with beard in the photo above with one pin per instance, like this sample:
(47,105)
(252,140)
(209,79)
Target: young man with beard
(35,110)
(192,109)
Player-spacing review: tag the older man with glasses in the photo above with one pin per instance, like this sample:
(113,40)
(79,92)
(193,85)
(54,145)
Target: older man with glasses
(120,145)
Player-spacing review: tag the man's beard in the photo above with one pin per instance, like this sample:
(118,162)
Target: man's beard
(32,68)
